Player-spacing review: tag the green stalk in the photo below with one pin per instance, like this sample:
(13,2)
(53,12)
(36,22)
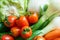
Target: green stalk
(48,21)
(42,32)
(41,21)
(43,10)
(48,28)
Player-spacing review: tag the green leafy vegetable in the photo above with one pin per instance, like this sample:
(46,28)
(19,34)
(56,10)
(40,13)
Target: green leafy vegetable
(12,7)
(26,5)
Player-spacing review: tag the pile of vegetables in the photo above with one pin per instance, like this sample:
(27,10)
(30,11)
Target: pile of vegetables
(18,22)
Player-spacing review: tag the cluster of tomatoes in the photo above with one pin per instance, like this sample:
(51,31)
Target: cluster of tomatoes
(20,26)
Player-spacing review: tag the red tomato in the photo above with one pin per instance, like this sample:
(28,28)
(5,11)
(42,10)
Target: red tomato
(27,16)
(10,20)
(26,32)
(7,37)
(9,24)
(17,23)
(15,31)
(33,18)
(39,38)
(22,21)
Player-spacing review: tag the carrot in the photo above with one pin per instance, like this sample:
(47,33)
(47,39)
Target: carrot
(52,35)
(57,39)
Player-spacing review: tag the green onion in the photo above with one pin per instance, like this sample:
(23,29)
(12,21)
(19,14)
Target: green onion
(41,21)
(48,28)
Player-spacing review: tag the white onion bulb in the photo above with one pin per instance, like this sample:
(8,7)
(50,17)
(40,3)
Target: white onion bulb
(57,22)
(34,5)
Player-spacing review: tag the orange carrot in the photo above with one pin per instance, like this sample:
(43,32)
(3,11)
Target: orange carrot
(52,35)
(57,39)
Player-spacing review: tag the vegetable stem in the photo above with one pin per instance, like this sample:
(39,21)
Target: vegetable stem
(41,21)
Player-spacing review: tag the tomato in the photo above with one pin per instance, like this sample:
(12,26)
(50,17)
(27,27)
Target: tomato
(39,38)
(7,37)
(17,23)
(33,18)
(8,24)
(10,20)
(22,21)
(15,31)
(27,17)
(26,32)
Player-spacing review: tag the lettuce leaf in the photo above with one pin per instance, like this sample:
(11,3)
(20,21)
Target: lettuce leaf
(12,7)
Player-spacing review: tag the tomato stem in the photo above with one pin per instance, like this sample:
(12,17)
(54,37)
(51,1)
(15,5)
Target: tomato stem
(26,30)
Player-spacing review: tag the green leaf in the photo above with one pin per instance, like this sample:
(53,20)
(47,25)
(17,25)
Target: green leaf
(20,5)
(40,12)
(2,17)
(45,8)
(15,3)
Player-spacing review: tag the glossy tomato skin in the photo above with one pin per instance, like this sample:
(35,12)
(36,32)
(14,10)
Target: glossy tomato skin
(26,32)
(15,31)
(39,38)
(22,21)
(7,37)
(33,18)
(10,20)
